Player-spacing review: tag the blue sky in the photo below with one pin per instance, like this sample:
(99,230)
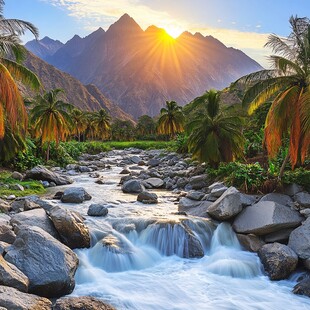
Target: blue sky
(243,24)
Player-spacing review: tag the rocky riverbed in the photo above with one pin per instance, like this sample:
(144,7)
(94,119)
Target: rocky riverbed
(146,230)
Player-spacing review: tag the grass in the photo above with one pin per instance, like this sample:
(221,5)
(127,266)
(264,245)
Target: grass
(31,187)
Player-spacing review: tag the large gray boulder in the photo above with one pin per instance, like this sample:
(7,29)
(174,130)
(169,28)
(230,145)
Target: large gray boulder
(97,209)
(198,182)
(278,259)
(227,206)
(147,197)
(250,242)
(49,265)
(10,275)
(6,233)
(303,287)
(5,207)
(71,228)
(266,217)
(75,195)
(281,199)
(81,303)
(154,182)
(13,299)
(299,240)
(303,199)
(133,186)
(43,174)
(199,208)
(36,217)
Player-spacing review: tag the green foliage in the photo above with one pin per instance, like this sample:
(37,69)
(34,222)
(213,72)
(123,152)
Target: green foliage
(299,176)
(181,143)
(123,130)
(146,127)
(31,187)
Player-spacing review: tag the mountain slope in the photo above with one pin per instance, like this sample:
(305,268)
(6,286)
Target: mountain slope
(140,70)
(75,92)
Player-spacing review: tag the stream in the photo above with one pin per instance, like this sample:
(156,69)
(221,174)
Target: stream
(141,257)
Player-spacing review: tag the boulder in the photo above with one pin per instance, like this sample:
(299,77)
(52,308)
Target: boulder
(36,217)
(3,247)
(153,162)
(250,242)
(12,276)
(198,182)
(281,199)
(125,171)
(43,174)
(147,197)
(81,303)
(266,217)
(227,206)
(278,259)
(185,204)
(97,210)
(303,287)
(292,189)
(13,299)
(135,159)
(279,236)
(5,207)
(299,240)
(195,195)
(7,234)
(75,195)
(155,182)
(217,189)
(17,176)
(303,199)
(71,228)
(85,169)
(133,186)
(49,265)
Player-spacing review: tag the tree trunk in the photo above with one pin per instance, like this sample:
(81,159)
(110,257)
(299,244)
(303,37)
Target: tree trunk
(283,166)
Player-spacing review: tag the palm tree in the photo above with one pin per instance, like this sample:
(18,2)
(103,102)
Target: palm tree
(12,109)
(171,120)
(214,134)
(102,124)
(51,118)
(79,122)
(287,83)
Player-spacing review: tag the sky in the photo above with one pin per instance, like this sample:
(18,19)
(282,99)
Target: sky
(242,24)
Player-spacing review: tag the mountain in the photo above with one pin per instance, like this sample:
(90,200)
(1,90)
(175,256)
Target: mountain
(88,98)
(140,70)
(44,48)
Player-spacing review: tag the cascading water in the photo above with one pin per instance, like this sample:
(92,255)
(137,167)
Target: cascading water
(143,257)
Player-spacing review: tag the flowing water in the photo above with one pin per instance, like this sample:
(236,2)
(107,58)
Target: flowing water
(141,258)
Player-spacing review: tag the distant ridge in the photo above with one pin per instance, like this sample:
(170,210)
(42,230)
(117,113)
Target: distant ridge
(140,70)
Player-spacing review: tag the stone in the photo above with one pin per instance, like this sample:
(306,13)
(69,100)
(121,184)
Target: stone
(71,228)
(305,212)
(303,199)
(133,186)
(125,171)
(97,210)
(250,242)
(198,182)
(85,169)
(72,167)
(217,189)
(147,197)
(278,259)
(3,247)
(135,159)
(7,234)
(17,187)
(12,276)
(43,174)
(100,181)
(195,195)
(303,287)
(13,299)
(11,197)
(17,176)
(281,199)
(155,182)
(75,195)
(185,204)
(49,265)
(153,162)
(81,303)
(5,207)
(292,189)
(266,217)
(279,236)
(45,184)
(58,195)
(227,206)
(299,240)
(36,217)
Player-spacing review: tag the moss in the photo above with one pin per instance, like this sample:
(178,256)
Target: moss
(31,187)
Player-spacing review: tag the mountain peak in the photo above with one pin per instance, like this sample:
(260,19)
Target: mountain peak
(125,24)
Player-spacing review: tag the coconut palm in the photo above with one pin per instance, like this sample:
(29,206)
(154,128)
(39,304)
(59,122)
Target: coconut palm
(287,83)
(102,124)
(51,118)
(12,108)
(214,134)
(79,122)
(171,120)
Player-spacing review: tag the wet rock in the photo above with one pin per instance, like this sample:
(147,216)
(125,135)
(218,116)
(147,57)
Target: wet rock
(155,182)
(299,240)
(281,199)
(36,217)
(97,210)
(133,186)
(125,171)
(72,167)
(13,299)
(279,236)
(58,195)
(43,174)
(135,159)
(147,197)
(71,228)
(303,287)
(153,162)
(227,206)
(266,217)
(6,233)
(45,184)
(49,265)
(198,182)
(250,242)
(185,204)
(17,176)
(195,195)
(11,197)
(81,303)
(100,181)
(85,169)
(75,195)
(12,276)
(278,259)
(303,199)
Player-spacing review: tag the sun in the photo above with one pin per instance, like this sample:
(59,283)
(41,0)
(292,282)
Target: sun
(173,31)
